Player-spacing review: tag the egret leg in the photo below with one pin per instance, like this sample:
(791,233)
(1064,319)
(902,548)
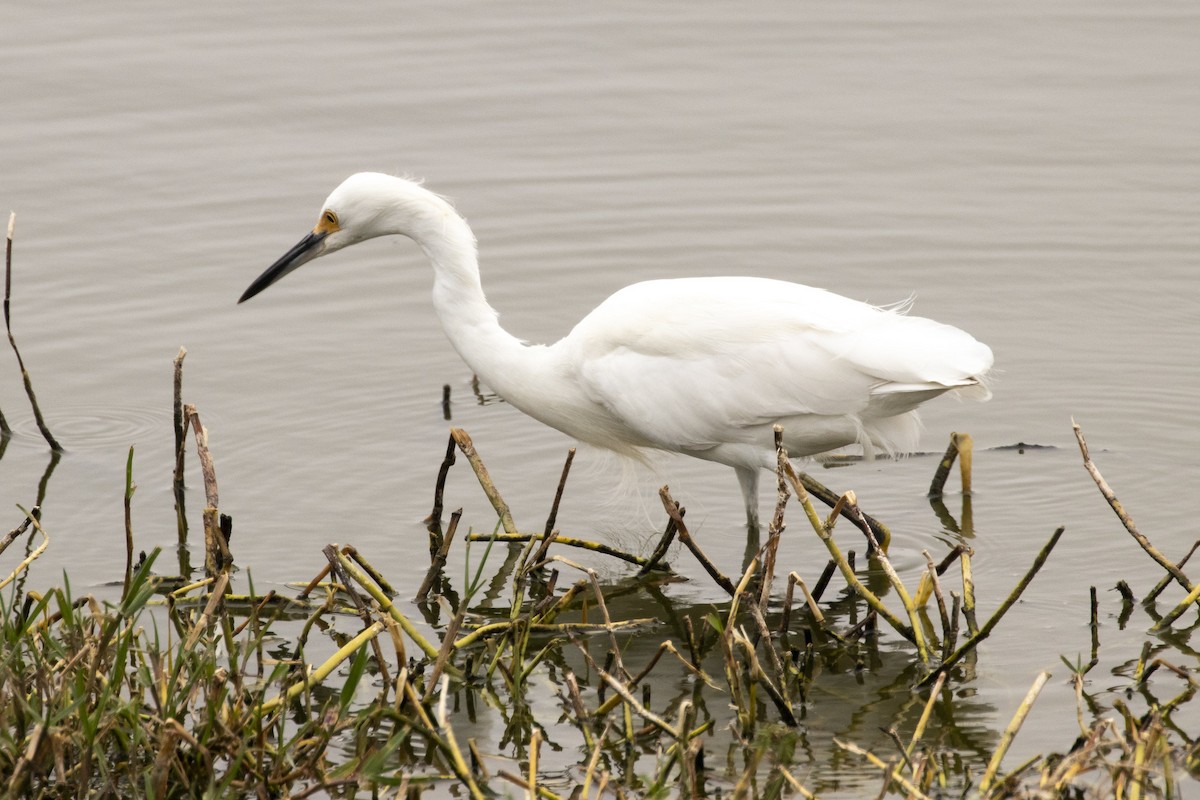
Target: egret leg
(748,480)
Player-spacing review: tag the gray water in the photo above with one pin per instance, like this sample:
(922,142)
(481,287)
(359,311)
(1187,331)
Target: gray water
(1029,172)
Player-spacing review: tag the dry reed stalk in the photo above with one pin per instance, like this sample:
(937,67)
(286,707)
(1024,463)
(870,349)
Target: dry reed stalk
(818,490)
(467,447)
(825,534)
(1122,515)
(217,591)
(37,411)
(880,555)
(968,603)
(814,607)
(776,526)
(889,770)
(627,696)
(795,784)
(320,673)
(1169,619)
(534,746)
(1010,732)
(386,604)
(926,713)
(1166,580)
(33,518)
(548,534)
(12,535)
(675,512)
(216,546)
(364,614)
(447,650)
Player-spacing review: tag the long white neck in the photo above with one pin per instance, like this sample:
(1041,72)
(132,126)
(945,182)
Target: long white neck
(498,358)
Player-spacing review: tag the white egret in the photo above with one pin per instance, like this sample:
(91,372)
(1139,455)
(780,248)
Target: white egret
(700,366)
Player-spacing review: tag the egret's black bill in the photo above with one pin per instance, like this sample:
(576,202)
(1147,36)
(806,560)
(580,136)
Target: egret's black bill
(305,250)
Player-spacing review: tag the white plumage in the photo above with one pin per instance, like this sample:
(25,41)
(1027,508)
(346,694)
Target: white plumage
(700,366)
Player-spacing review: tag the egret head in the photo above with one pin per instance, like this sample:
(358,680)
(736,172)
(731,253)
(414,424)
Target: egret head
(356,210)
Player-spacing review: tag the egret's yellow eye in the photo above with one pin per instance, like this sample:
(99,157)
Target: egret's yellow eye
(328,222)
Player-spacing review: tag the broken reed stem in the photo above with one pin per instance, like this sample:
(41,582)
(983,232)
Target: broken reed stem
(961,447)
(675,512)
(463,440)
(216,548)
(966,450)
(993,620)
(204,456)
(37,411)
(1122,515)
(814,608)
(1010,732)
(942,473)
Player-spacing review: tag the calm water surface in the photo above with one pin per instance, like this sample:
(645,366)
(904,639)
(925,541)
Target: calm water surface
(1030,173)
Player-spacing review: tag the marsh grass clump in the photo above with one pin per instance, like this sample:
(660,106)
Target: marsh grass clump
(186,689)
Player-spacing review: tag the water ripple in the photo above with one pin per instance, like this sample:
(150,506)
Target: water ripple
(92,428)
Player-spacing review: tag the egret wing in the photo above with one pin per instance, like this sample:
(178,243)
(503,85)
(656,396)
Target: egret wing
(698,362)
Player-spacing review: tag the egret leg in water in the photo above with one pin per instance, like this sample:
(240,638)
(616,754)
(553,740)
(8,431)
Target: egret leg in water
(700,366)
